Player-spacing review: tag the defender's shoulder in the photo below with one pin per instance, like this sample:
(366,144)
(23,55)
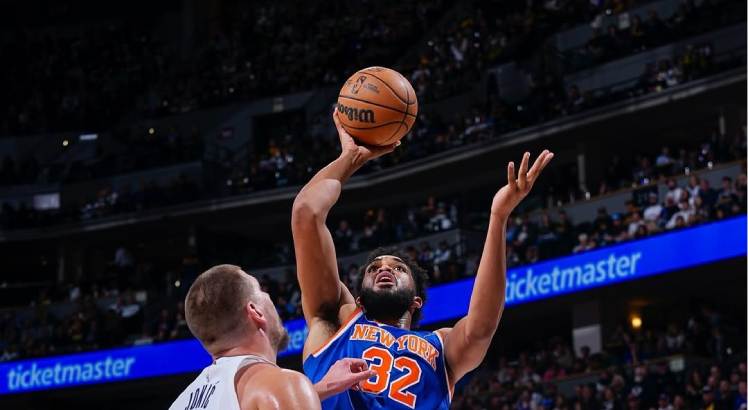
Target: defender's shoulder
(272,375)
(273,387)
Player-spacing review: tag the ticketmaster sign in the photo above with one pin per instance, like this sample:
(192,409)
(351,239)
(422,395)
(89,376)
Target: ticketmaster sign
(103,366)
(629,261)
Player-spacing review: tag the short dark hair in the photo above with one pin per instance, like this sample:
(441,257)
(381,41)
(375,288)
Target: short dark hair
(214,306)
(420,276)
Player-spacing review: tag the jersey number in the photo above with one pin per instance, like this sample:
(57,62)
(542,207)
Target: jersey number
(382,362)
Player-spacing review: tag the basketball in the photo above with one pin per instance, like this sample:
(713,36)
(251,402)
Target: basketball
(377,106)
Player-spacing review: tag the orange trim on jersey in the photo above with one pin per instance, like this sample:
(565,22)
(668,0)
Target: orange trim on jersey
(446,368)
(343,327)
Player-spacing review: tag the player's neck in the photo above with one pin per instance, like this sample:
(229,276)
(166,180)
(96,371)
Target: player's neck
(261,348)
(403,322)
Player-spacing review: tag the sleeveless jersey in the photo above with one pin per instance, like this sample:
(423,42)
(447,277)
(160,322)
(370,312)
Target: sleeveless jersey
(214,388)
(410,366)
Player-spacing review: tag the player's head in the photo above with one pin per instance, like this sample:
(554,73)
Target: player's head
(391,283)
(226,308)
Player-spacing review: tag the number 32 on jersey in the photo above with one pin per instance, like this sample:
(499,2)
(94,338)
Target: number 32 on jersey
(382,362)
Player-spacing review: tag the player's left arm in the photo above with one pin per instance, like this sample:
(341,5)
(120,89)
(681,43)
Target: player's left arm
(466,344)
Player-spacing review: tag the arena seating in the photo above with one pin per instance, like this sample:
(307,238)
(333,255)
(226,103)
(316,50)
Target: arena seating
(125,113)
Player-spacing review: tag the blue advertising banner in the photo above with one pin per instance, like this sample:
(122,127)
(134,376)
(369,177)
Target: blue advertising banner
(103,366)
(606,266)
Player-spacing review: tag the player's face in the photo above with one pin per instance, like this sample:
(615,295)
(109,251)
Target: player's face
(276,332)
(387,289)
(388,272)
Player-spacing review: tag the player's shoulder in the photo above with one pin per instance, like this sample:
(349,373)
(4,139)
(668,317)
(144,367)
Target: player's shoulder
(283,380)
(325,330)
(442,334)
(294,378)
(275,376)
(438,333)
(273,387)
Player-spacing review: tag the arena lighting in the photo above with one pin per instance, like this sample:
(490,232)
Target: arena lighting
(151,131)
(88,137)
(65,143)
(608,266)
(636,322)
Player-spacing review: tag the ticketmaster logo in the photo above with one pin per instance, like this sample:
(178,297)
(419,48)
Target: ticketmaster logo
(23,377)
(533,285)
(297,332)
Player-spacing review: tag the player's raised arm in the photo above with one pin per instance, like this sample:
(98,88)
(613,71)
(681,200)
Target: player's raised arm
(467,342)
(322,292)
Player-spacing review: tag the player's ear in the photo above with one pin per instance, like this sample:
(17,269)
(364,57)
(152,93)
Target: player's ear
(417,303)
(255,315)
(358,300)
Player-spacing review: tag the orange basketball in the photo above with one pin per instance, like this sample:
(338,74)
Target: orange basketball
(377,106)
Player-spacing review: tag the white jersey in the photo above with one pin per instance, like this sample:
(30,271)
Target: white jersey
(214,388)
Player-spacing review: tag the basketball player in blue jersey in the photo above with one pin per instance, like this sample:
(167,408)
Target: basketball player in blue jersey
(414,369)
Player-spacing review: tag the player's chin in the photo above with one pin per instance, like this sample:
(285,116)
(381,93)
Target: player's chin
(384,287)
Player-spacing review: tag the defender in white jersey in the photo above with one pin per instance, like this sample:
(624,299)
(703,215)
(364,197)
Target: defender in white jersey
(238,325)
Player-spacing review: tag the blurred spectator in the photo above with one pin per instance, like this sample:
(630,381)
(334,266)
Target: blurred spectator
(618,385)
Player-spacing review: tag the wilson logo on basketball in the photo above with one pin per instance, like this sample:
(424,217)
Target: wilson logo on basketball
(357,85)
(356,114)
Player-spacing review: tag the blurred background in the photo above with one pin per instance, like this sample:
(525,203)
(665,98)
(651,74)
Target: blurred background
(143,142)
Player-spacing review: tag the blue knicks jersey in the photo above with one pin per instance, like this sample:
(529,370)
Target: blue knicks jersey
(410,366)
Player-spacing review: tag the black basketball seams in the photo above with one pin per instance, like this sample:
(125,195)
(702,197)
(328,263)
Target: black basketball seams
(373,103)
(370,128)
(402,122)
(394,133)
(407,94)
(405,112)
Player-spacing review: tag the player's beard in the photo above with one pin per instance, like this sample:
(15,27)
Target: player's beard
(386,304)
(279,336)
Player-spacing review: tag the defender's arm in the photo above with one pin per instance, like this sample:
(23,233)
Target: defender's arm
(343,375)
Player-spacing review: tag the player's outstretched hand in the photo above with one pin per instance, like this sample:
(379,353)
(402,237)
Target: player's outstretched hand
(343,375)
(518,185)
(360,153)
